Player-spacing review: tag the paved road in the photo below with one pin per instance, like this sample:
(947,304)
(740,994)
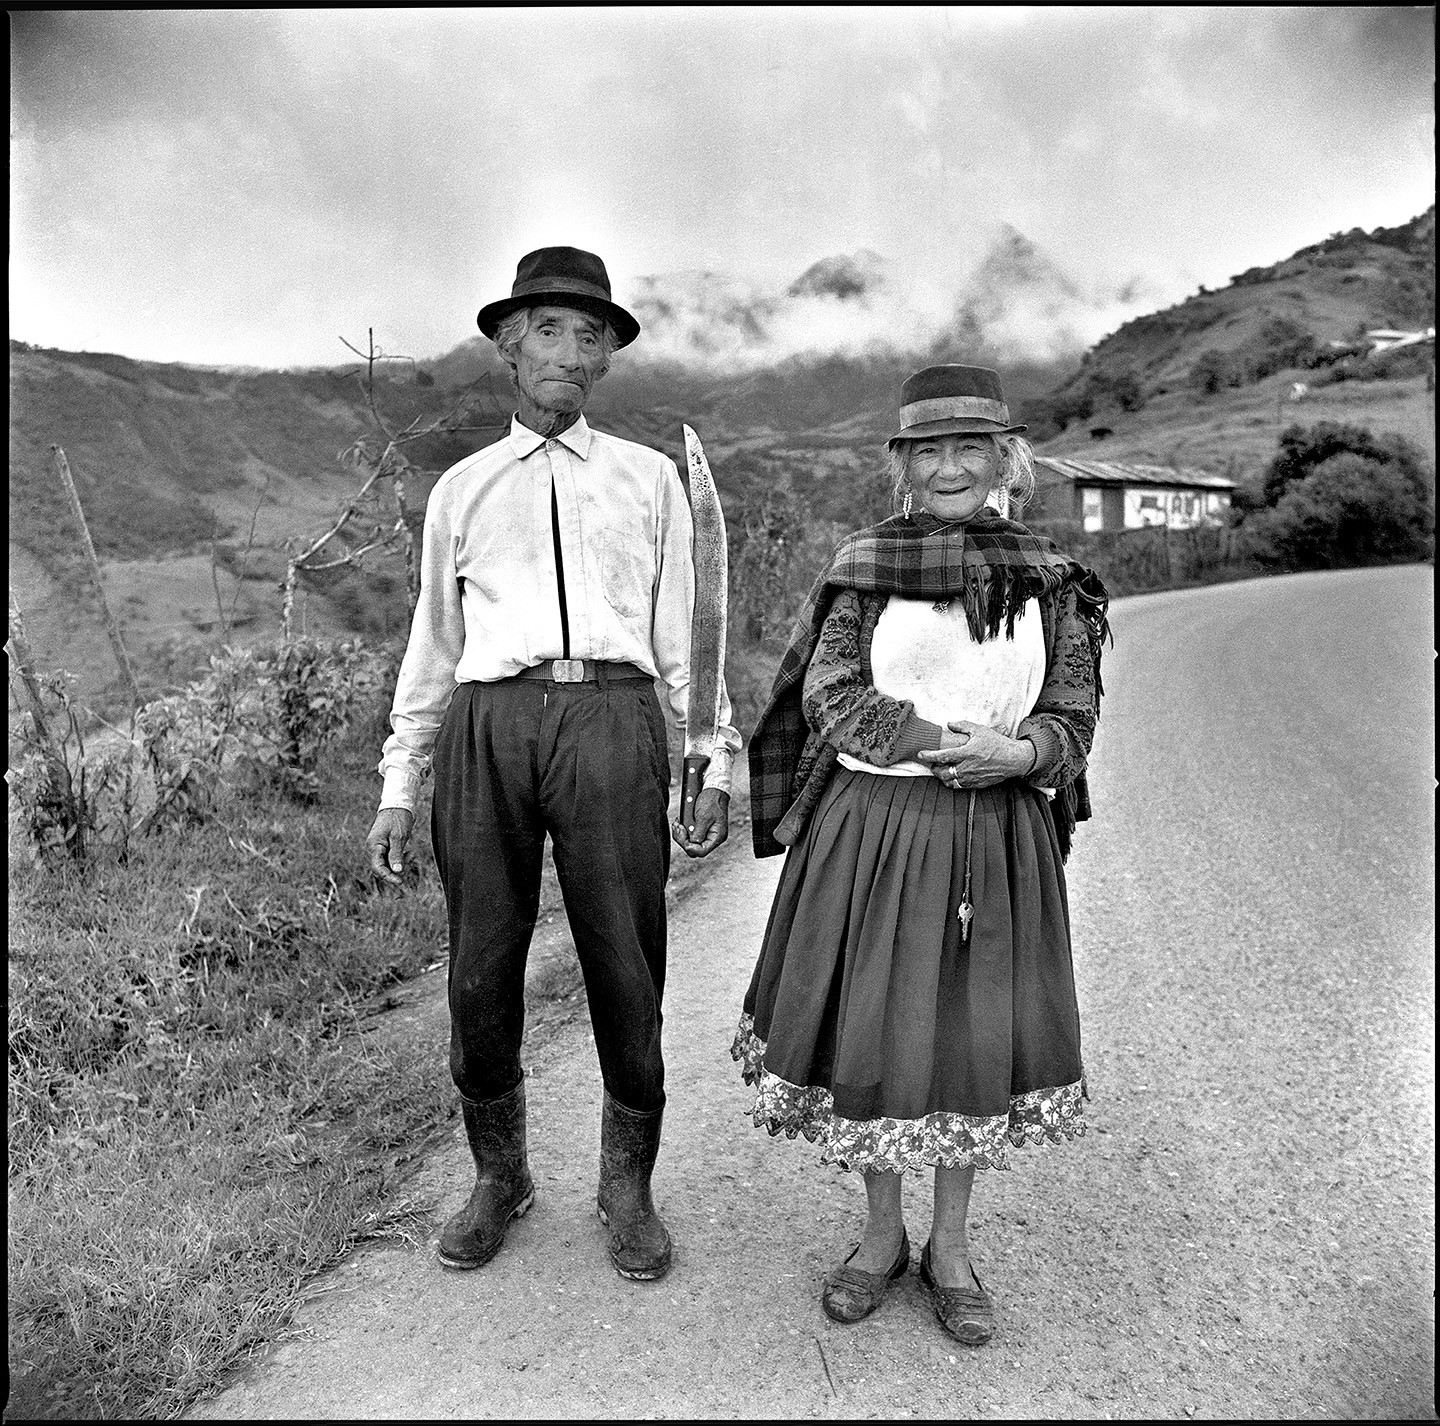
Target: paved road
(1248,1231)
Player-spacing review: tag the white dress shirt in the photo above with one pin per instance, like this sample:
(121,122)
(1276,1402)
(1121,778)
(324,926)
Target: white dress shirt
(489,602)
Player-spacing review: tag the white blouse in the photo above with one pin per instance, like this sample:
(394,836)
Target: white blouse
(926,653)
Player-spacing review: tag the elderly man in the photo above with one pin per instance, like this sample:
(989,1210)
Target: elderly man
(557,585)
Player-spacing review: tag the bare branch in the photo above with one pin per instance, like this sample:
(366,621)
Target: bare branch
(369,383)
(353,558)
(297,563)
(378,353)
(348,513)
(247,552)
(215,577)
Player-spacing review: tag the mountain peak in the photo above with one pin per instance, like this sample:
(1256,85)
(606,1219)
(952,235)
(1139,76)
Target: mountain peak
(843,276)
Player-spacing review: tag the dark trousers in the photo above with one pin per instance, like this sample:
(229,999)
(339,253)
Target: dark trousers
(589,765)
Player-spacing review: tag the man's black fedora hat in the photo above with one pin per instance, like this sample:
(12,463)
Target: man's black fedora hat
(953,400)
(561,277)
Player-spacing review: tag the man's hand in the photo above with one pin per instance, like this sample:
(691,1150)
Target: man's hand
(972,755)
(712,824)
(387,841)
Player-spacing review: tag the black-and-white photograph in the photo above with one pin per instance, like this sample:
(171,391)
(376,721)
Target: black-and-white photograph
(722,712)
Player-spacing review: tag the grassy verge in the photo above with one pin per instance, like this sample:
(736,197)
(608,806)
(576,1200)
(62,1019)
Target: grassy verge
(198,1121)
(196,1125)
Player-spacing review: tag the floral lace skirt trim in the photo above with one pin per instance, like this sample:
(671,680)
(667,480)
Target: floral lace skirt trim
(938,1140)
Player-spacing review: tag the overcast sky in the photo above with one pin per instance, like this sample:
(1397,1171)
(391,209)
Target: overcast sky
(247,186)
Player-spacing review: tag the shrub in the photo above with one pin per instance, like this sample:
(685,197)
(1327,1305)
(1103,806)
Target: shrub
(1304,448)
(310,690)
(1415,360)
(1075,404)
(257,715)
(769,535)
(1121,386)
(1126,390)
(1349,510)
(1331,373)
(1214,370)
(1279,344)
(65,791)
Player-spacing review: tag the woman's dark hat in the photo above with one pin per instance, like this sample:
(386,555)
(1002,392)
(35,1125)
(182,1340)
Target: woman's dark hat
(561,277)
(953,400)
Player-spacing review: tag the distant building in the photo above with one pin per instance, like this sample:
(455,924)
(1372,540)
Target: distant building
(1110,495)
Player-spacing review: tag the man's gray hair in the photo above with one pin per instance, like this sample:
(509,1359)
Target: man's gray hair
(514,327)
(1017,469)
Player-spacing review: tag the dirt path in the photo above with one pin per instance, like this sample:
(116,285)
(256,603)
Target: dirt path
(1248,1230)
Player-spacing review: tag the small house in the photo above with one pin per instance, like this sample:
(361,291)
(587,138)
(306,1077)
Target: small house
(1114,495)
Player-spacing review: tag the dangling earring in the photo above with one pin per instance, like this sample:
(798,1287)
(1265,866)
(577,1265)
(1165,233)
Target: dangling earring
(905,507)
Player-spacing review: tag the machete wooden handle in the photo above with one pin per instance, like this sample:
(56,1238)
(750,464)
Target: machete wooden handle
(690,791)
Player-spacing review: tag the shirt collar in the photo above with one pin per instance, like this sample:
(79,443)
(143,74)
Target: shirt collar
(524,441)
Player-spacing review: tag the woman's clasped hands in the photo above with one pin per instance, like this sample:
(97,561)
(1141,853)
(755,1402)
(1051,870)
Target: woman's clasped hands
(972,755)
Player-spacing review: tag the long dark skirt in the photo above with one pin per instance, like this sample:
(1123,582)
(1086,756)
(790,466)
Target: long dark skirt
(872,1025)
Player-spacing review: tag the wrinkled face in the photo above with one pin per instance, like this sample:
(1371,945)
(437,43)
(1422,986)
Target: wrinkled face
(559,358)
(952,475)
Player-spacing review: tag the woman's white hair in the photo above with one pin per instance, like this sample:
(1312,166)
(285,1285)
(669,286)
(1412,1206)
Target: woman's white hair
(514,327)
(1017,469)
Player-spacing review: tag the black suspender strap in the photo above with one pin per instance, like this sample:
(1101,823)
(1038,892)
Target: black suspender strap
(559,570)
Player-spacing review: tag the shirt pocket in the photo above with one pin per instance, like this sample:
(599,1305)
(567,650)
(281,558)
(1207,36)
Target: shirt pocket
(627,573)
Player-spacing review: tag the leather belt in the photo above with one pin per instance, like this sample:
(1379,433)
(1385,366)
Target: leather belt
(584,671)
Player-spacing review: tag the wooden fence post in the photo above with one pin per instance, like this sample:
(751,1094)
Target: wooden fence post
(62,469)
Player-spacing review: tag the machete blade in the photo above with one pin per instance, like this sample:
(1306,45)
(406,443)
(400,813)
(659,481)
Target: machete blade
(707,626)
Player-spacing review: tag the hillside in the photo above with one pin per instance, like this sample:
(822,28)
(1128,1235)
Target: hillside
(1302,319)
(166,458)
(1335,290)
(169,457)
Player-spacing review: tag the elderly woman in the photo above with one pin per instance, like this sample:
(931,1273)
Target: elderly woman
(922,756)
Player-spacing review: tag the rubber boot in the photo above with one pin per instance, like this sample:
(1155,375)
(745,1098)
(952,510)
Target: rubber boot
(503,1187)
(629,1143)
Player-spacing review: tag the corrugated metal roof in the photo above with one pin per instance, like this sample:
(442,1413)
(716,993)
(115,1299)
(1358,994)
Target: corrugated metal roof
(1104,472)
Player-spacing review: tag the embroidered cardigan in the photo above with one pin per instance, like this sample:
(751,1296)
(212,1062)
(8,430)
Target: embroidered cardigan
(847,713)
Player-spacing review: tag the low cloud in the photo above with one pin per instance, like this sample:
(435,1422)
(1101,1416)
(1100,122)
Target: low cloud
(1015,305)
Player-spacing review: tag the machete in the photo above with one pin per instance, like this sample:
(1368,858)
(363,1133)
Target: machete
(707,627)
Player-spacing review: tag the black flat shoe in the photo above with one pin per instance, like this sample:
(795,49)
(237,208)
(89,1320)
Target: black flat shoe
(852,1294)
(967,1316)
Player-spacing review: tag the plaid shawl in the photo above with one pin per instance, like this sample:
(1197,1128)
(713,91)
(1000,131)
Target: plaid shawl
(994,565)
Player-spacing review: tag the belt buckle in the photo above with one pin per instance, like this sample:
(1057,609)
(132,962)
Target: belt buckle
(567,670)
